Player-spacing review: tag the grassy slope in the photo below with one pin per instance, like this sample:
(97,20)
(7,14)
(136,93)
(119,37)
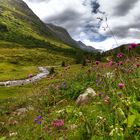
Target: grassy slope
(26,42)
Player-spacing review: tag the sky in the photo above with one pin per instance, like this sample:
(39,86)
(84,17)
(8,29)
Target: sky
(103,24)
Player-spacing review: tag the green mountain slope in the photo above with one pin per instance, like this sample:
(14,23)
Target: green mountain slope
(18,23)
(123,49)
(32,41)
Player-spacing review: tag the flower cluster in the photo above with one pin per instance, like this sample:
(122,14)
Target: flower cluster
(58,123)
(120,63)
(132,46)
(38,119)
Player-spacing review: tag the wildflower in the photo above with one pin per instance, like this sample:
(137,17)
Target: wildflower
(137,65)
(97,62)
(120,63)
(134,45)
(129,47)
(106,99)
(58,87)
(97,81)
(30,75)
(120,55)
(12,134)
(57,123)
(38,119)
(100,94)
(109,75)
(110,63)
(121,85)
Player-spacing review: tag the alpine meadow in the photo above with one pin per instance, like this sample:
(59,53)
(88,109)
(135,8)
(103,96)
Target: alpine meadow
(56,84)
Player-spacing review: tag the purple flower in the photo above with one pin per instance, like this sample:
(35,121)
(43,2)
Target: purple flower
(39,122)
(38,119)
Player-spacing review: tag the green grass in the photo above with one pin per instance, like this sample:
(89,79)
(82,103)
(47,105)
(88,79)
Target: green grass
(14,72)
(28,90)
(95,120)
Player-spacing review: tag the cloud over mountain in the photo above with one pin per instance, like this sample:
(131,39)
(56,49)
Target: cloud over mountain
(79,17)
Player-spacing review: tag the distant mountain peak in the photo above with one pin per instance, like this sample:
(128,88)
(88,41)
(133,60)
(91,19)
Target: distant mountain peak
(62,34)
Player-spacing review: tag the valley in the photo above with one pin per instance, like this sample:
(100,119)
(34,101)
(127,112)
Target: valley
(53,87)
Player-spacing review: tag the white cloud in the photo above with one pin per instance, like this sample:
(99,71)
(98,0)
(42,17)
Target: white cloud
(77,18)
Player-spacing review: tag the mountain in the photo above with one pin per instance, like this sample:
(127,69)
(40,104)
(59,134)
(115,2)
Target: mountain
(19,24)
(63,35)
(87,48)
(26,40)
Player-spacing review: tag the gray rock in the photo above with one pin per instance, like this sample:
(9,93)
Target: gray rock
(86,96)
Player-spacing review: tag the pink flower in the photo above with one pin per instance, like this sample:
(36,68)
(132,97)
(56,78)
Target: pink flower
(120,55)
(120,63)
(57,123)
(97,62)
(110,63)
(129,47)
(121,85)
(30,75)
(132,46)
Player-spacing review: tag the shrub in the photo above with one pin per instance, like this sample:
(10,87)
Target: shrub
(52,70)
(3,28)
(63,64)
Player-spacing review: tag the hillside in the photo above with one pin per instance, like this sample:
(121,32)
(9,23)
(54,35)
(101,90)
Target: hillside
(20,25)
(123,48)
(21,29)
(26,42)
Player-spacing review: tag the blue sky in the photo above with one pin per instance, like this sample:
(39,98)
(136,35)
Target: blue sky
(81,19)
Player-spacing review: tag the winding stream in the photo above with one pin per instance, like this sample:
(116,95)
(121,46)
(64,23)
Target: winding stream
(43,73)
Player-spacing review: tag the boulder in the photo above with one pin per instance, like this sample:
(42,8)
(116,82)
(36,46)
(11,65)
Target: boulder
(86,96)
